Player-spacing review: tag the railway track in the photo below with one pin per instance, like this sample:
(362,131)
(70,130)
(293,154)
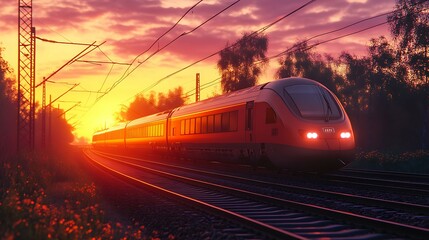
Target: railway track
(417,184)
(277,217)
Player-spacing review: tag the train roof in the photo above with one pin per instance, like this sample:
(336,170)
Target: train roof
(236,97)
(278,85)
(240,96)
(150,118)
(233,98)
(118,126)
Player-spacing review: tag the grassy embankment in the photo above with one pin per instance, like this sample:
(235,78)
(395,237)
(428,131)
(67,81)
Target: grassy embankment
(52,198)
(412,162)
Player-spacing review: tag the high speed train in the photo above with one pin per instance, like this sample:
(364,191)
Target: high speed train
(293,123)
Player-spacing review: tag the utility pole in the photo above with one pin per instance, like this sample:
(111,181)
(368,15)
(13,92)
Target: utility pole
(197,88)
(33,90)
(44,115)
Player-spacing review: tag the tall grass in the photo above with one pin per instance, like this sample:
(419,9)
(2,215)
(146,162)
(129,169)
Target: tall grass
(50,198)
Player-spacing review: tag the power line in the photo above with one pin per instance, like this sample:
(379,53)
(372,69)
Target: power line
(294,48)
(171,42)
(60,42)
(126,73)
(213,54)
(289,50)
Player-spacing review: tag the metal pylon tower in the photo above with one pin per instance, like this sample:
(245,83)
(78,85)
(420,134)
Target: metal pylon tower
(26,76)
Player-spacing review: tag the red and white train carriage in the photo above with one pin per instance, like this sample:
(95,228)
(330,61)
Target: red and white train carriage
(293,123)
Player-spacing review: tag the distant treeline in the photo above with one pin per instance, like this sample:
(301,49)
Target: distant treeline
(59,136)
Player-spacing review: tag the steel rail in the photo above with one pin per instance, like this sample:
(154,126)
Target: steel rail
(246,221)
(424,209)
(387,226)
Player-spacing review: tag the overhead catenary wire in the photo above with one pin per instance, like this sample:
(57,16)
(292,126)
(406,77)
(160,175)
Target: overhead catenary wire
(215,53)
(159,38)
(168,44)
(325,41)
(125,73)
(60,42)
(211,55)
(295,47)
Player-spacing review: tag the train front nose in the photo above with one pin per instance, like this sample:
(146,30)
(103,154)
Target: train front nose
(331,147)
(328,138)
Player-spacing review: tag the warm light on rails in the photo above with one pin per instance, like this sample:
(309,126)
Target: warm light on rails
(345,135)
(312,135)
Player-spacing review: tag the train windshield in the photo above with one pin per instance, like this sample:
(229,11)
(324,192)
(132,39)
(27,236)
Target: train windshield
(312,102)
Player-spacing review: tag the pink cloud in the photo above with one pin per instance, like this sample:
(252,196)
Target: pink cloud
(133,25)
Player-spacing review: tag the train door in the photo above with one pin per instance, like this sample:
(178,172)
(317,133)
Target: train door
(249,151)
(249,122)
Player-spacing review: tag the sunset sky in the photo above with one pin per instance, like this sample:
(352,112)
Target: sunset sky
(129,27)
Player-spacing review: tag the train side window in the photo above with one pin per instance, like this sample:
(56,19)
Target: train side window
(233,121)
(192,129)
(218,123)
(197,125)
(187,123)
(210,123)
(270,116)
(182,127)
(225,122)
(204,124)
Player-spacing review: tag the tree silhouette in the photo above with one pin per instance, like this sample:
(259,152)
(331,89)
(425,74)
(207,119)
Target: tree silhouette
(60,134)
(305,63)
(144,106)
(237,62)
(8,112)
(410,27)
(379,100)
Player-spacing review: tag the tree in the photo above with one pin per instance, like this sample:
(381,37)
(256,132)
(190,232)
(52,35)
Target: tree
(8,110)
(237,63)
(410,26)
(144,106)
(172,100)
(304,63)
(141,106)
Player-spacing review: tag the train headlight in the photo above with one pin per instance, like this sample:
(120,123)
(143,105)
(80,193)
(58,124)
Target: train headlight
(312,135)
(345,135)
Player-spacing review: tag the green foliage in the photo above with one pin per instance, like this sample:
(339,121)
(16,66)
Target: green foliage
(237,63)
